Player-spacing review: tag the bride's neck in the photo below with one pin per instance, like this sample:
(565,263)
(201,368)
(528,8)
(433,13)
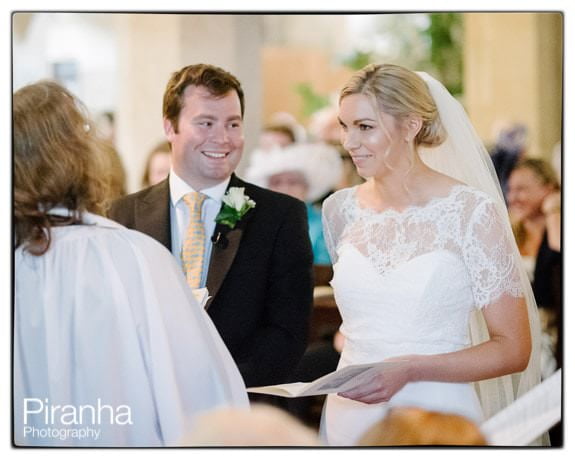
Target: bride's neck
(402,183)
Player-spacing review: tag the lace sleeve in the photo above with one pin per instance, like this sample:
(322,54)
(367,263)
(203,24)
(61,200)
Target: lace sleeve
(333,216)
(327,234)
(488,251)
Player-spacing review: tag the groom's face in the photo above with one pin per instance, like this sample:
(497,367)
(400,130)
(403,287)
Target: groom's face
(208,141)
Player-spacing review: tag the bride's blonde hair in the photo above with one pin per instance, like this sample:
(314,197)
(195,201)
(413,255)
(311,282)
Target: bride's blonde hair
(399,92)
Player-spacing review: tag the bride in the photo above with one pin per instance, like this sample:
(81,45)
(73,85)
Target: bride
(426,270)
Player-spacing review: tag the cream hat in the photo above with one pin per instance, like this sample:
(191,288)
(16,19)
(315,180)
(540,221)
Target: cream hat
(321,165)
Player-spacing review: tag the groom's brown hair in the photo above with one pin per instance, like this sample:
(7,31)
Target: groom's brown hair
(217,81)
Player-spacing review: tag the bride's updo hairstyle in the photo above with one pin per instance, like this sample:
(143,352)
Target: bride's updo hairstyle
(399,92)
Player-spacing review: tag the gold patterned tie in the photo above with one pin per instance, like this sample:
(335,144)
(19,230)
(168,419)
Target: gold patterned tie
(193,246)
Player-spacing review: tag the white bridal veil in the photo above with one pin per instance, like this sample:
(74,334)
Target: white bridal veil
(463,157)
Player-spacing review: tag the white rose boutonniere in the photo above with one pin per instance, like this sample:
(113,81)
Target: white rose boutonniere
(236,205)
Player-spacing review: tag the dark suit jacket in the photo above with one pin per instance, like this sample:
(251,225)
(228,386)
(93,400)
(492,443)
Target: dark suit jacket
(260,276)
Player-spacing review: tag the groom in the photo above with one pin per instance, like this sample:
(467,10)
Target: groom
(258,273)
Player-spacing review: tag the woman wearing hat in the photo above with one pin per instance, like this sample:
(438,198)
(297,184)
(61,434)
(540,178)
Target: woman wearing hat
(307,172)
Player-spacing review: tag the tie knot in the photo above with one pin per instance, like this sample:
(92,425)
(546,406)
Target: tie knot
(194,201)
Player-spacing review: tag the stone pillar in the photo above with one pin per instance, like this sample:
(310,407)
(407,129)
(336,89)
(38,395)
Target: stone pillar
(513,72)
(152,46)
(234,43)
(148,52)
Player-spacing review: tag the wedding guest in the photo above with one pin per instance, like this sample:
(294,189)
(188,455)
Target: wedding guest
(116,172)
(262,425)
(422,254)
(157,165)
(535,209)
(411,426)
(274,136)
(324,127)
(283,118)
(551,286)
(556,160)
(307,172)
(510,147)
(105,126)
(110,347)
(247,245)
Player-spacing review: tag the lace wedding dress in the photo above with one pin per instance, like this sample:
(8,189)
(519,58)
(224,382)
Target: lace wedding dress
(407,282)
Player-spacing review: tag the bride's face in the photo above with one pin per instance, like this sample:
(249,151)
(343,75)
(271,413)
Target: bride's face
(372,141)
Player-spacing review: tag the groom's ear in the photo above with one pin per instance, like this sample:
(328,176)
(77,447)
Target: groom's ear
(169,129)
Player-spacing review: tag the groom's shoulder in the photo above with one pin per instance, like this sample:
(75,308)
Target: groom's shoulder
(153,192)
(126,204)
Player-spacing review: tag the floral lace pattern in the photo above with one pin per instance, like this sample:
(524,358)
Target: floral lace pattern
(465,222)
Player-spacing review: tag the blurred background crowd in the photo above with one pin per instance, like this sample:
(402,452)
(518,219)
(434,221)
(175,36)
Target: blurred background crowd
(291,68)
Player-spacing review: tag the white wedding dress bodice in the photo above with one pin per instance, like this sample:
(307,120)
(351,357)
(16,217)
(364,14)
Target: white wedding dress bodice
(406,282)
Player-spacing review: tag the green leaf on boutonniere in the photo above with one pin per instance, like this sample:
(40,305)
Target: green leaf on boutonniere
(235,205)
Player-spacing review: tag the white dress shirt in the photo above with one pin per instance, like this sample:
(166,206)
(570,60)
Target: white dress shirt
(106,315)
(180,216)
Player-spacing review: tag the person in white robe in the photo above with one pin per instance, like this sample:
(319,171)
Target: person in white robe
(110,347)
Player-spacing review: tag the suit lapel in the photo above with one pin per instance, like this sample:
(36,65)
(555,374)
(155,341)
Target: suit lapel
(224,251)
(152,214)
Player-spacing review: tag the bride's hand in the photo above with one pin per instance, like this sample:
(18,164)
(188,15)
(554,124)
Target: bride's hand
(384,384)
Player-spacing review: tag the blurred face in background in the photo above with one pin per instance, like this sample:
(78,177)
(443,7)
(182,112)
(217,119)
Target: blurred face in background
(159,167)
(292,183)
(526,192)
(272,139)
(208,141)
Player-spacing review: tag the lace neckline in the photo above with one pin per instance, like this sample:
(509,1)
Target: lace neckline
(408,209)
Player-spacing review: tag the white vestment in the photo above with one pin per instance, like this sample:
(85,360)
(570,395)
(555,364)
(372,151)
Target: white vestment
(106,327)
